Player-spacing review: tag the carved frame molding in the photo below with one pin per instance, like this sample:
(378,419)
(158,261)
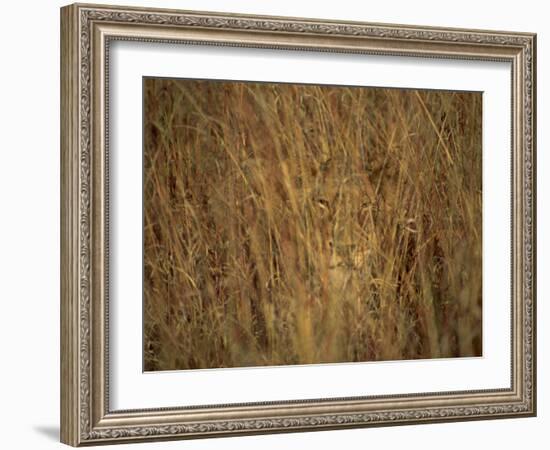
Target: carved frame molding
(86,31)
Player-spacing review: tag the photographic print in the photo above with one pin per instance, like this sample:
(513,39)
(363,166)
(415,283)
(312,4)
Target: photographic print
(290,224)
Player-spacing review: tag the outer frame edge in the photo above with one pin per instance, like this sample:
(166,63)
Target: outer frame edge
(69,310)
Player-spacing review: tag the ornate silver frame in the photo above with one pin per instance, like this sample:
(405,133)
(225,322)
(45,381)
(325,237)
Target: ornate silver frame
(86,31)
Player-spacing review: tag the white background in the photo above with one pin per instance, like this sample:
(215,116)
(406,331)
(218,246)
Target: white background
(29,224)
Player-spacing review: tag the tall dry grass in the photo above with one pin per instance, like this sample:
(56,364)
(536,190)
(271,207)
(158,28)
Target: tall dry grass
(296,224)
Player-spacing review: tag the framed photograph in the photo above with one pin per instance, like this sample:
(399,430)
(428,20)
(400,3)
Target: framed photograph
(274,224)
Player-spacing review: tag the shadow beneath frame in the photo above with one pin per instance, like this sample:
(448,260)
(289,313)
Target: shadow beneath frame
(49,431)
